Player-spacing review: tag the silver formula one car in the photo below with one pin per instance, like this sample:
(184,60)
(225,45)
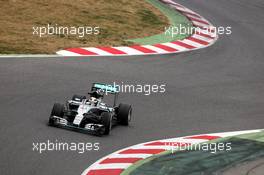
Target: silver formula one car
(91,114)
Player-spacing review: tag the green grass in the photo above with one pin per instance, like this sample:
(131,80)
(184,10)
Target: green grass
(246,147)
(176,19)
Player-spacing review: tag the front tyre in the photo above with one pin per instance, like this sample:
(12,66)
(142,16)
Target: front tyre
(124,114)
(107,122)
(57,110)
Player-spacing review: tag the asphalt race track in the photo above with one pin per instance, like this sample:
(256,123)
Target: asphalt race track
(217,89)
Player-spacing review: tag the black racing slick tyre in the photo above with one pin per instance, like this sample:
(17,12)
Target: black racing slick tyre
(57,110)
(78,98)
(124,114)
(107,122)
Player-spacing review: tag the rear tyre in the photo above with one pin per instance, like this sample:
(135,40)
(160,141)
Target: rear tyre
(57,110)
(107,122)
(124,114)
(78,98)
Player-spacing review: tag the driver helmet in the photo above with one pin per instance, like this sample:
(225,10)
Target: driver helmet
(93,100)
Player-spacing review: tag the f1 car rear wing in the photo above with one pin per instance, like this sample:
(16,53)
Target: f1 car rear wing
(104,87)
(108,89)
